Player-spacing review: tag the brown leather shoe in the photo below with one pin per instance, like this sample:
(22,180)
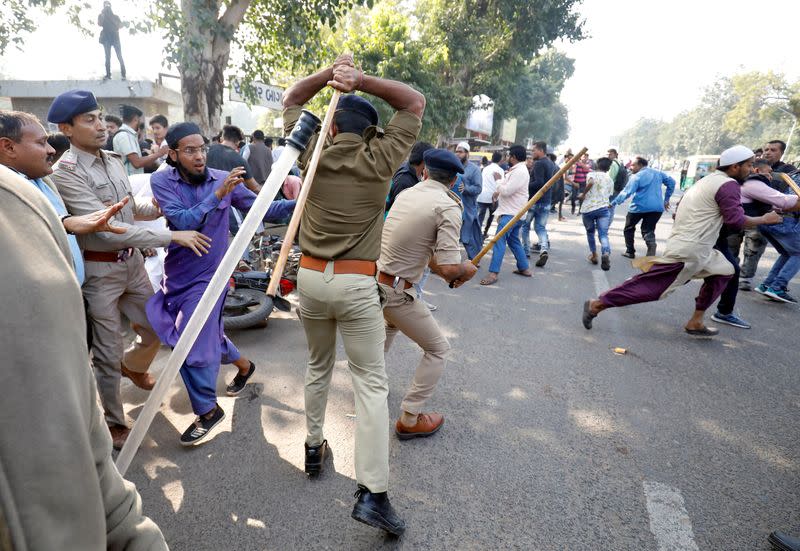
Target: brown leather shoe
(427,424)
(145,381)
(119,435)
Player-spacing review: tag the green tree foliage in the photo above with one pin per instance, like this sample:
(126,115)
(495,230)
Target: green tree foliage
(534,100)
(451,50)
(749,108)
(273,34)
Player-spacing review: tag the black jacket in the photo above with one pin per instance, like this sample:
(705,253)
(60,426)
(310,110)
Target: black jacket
(404,178)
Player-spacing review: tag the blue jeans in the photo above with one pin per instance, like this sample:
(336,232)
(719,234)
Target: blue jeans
(785,237)
(511,239)
(599,219)
(538,215)
(420,286)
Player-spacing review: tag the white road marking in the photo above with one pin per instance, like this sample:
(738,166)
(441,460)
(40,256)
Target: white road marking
(669,521)
(600,281)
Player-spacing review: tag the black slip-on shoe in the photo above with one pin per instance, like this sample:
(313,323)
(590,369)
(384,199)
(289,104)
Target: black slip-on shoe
(239,381)
(784,542)
(542,259)
(376,511)
(605,263)
(587,314)
(315,458)
(626,254)
(201,428)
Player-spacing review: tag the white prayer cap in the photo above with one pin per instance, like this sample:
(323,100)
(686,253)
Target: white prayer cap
(463,145)
(735,154)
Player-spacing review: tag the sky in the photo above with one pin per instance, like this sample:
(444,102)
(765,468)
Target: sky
(652,58)
(645,58)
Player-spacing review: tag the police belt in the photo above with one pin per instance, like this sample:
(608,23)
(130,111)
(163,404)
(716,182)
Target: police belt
(392,281)
(361,267)
(108,256)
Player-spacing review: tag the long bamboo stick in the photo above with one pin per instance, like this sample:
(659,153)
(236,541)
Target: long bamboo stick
(294,223)
(532,201)
(791,183)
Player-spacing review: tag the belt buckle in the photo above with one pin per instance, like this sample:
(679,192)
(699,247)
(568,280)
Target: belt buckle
(396,282)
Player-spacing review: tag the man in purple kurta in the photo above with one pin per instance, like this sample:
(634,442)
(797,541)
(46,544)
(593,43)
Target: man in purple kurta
(690,253)
(193,196)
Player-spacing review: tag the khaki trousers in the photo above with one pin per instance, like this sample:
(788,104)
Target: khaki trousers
(111,288)
(403,312)
(352,303)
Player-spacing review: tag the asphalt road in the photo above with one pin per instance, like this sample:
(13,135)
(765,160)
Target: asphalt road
(552,441)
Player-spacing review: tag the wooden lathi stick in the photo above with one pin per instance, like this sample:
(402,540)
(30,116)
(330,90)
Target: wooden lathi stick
(532,201)
(294,223)
(791,183)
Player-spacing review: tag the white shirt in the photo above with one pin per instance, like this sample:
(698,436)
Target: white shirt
(277,153)
(489,182)
(513,190)
(598,196)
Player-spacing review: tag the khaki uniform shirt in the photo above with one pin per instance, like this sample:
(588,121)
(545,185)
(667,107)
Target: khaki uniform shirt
(88,183)
(343,216)
(425,222)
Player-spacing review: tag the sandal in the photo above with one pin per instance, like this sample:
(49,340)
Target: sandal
(489,280)
(593,258)
(523,273)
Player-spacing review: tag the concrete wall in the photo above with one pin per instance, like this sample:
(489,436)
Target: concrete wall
(40,106)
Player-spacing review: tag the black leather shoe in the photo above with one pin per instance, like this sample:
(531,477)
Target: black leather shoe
(376,511)
(315,458)
(784,542)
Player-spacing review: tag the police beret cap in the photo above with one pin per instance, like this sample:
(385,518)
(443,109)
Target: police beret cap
(177,132)
(442,159)
(357,104)
(71,104)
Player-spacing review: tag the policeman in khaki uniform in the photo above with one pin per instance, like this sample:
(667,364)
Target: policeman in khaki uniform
(340,237)
(90,179)
(422,229)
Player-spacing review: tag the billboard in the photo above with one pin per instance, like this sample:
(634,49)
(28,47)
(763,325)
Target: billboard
(481,116)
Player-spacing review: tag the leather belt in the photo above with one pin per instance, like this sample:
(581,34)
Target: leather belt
(393,281)
(362,267)
(108,256)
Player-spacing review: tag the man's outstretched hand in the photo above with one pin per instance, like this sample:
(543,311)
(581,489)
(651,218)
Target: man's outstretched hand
(95,222)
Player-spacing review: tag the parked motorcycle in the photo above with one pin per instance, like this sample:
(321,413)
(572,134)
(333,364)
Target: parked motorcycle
(247,304)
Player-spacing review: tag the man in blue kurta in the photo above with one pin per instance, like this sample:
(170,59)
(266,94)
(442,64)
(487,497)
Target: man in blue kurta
(191,195)
(469,186)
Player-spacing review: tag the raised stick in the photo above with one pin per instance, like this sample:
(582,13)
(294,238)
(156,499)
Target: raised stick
(294,223)
(532,201)
(790,183)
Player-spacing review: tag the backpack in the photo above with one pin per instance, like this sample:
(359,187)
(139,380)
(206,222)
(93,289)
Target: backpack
(622,177)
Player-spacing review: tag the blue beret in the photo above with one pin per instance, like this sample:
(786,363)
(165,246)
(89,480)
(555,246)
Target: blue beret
(178,131)
(442,159)
(71,104)
(359,105)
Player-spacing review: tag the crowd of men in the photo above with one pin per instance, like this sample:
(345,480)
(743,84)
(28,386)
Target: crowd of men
(385,211)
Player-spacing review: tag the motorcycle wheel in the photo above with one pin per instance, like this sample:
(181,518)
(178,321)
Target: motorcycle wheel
(246,308)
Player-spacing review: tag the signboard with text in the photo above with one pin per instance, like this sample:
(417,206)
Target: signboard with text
(265,95)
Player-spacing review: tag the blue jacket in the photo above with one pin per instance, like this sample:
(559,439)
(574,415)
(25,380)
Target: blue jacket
(645,186)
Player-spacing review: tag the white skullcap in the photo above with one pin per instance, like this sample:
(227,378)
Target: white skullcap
(463,145)
(735,154)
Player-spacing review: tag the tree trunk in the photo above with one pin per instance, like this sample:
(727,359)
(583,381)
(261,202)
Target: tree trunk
(204,58)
